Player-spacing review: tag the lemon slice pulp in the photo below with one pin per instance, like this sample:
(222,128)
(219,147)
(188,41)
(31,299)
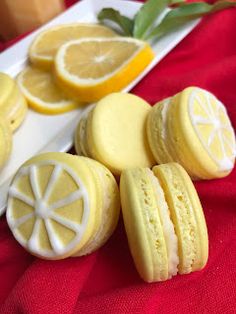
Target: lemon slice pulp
(42,93)
(91,68)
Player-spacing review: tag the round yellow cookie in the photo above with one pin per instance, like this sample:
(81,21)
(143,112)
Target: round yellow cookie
(164,221)
(114,133)
(13,106)
(61,205)
(193,129)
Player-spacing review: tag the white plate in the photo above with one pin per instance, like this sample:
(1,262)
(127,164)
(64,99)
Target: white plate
(42,133)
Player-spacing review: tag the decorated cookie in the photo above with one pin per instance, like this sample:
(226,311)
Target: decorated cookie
(114,133)
(13,106)
(61,205)
(193,129)
(164,221)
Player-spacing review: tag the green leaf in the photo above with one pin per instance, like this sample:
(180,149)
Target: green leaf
(125,23)
(184,13)
(146,16)
(174,2)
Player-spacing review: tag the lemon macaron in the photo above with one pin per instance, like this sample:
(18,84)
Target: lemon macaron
(114,133)
(13,106)
(61,205)
(164,221)
(193,129)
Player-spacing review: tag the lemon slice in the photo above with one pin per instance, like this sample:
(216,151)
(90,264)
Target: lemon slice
(213,128)
(44,47)
(45,217)
(91,68)
(41,92)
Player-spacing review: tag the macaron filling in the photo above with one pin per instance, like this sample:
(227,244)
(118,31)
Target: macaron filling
(168,227)
(81,136)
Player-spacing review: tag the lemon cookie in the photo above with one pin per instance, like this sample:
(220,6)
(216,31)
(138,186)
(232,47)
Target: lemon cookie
(193,129)
(114,133)
(164,221)
(13,106)
(5,141)
(61,205)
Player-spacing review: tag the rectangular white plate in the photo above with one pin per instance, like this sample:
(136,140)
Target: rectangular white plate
(42,133)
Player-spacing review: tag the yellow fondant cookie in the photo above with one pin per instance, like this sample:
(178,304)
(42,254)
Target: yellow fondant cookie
(61,205)
(193,129)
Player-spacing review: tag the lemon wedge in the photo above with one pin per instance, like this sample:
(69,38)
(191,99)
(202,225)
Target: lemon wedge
(90,68)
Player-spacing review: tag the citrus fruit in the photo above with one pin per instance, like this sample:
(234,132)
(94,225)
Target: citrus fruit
(46,44)
(42,93)
(91,68)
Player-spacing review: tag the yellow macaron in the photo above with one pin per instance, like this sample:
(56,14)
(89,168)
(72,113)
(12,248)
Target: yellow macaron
(5,141)
(193,129)
(114,133)
(164,221)
(13,106)
(61,205)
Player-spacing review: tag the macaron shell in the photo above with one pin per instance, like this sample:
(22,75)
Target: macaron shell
(74,168)
(109,206)
(80,137)
(143,225)
(156,129)
(183,139)
(5,142)
(116,132)
(187,215)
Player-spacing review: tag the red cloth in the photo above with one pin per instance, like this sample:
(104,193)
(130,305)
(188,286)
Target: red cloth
(106,281)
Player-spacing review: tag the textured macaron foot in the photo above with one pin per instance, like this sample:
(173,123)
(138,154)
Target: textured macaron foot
(193,129)
(114,133)
(164,221)
(57,204)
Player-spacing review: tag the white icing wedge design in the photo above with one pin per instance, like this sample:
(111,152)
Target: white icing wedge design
(45,212)
(215,117)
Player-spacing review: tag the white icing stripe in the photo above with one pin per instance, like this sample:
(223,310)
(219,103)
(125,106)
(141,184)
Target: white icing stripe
(15,223)
(66,222)
(74,196)
(34,182)
(14,193)
(168,227)
(54,176)
(56,244)
(33,243)
(211,137)
(201,120)
(166,103)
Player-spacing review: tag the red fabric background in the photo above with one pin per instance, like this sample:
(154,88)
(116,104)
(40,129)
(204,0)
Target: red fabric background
(106,281)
